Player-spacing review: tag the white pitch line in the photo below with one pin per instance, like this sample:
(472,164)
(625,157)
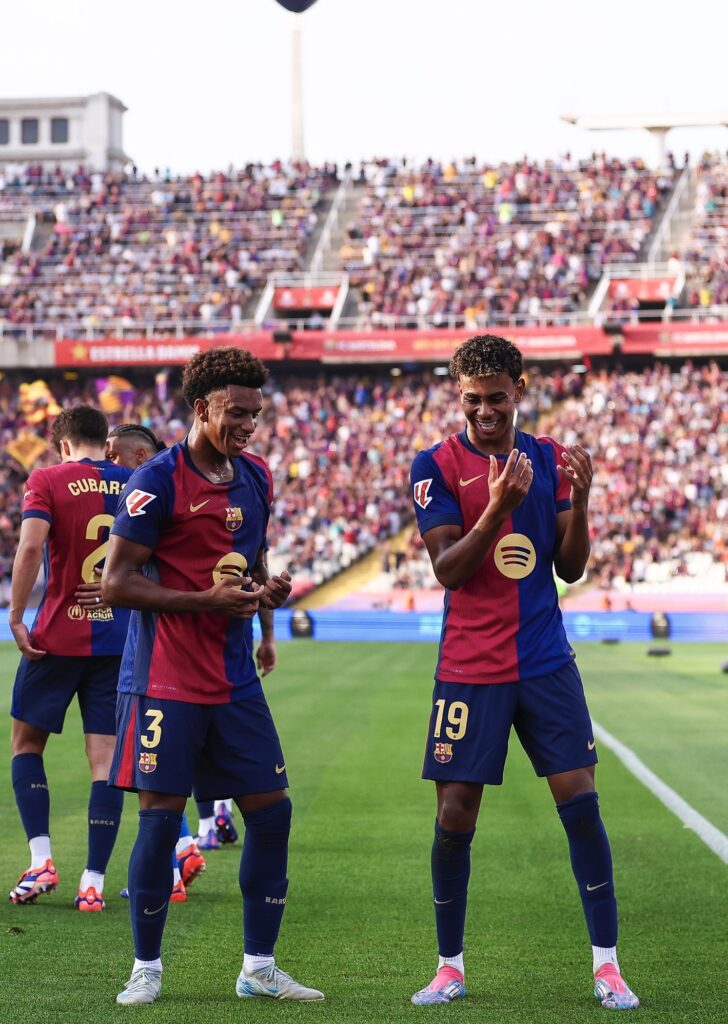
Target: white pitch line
(711,836)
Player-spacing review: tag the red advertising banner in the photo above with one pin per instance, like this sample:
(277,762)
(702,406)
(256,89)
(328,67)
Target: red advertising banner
(438,345)
(304,299)
(331,347)
(652,289)
(158,351)
(675,339)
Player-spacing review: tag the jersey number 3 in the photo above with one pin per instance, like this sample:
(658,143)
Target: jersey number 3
(154,729)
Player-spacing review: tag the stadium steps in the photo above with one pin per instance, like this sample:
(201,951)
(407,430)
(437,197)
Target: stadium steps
(348,214)
(355,577)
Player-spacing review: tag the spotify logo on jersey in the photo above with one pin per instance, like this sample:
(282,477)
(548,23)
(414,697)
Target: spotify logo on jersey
(231,565)
(515,556)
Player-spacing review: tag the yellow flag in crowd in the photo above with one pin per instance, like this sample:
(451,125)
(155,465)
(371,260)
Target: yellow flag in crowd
(26,448)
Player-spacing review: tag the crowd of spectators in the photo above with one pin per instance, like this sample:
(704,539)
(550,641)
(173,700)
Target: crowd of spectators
(125,249)
(706,255)
(339,449)
(465,243)
(659,498)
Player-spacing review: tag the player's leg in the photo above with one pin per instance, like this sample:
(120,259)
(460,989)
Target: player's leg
(591,861)
(156,749)
(42,691)
(554,726)
(206,834)
(104,817)
(224,827)
(466,747)
(243,756)
(189,862)
(97,701)
(31,795)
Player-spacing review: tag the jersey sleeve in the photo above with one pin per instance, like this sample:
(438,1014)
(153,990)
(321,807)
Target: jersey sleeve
(145,506)
(38,497)
(434,502)
(562,489)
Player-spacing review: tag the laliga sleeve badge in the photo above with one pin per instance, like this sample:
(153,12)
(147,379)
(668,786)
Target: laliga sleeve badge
(419,491)
(443,752)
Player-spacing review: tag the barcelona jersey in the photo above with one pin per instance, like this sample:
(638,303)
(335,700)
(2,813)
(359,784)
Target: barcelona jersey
(200,532)
(78,499)
(504,623)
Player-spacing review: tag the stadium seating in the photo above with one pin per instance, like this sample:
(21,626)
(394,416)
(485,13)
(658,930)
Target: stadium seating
(706,254)
(471,244)
(122,249)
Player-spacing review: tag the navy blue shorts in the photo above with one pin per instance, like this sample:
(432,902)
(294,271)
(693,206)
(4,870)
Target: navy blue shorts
(222,750)
(44,689)
(467,739)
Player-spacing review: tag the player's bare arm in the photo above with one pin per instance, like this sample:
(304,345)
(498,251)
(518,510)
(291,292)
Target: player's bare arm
(123,584)
(456,557)
(33,535)
(572,526)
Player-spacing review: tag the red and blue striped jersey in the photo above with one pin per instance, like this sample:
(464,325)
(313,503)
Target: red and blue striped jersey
(78,499)
(200,532)
(504,624)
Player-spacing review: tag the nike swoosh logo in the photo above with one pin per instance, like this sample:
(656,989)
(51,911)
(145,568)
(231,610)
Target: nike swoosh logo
(196,508)
(279,771)
(466,483)
(151,913)
(441,903)
(590,746)
(591,888)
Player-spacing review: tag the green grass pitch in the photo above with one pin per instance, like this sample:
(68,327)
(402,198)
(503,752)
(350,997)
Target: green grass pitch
(359,921)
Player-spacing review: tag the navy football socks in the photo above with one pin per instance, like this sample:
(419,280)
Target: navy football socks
(206,808)
(263,881)
(104,817)
(31,794)
(591,862)
(150,879)
(450,875)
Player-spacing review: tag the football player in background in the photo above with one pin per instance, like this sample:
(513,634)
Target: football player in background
(187,552)
(498,511)
(71,649)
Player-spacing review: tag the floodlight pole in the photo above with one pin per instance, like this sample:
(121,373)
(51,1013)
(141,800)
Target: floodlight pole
(297,94)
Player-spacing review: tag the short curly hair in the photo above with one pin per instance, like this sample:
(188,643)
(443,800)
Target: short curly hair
(216,368)
(82,424)
(486,355)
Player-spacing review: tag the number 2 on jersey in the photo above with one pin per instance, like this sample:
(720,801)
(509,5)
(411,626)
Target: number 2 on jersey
(95,525)
(457,716)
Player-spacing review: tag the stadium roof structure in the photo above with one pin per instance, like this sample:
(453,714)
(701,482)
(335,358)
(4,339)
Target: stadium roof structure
(658,125)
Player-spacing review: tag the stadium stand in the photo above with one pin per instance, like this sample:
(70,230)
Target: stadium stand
(124,249)
(706,254)
(339,449)
(465,244)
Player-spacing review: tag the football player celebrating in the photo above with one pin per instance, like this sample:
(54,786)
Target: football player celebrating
(498,510)
(187,553)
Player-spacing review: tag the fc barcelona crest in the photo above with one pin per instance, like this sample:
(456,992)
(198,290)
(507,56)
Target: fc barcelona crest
(233,518)
(147,762)
(443,752)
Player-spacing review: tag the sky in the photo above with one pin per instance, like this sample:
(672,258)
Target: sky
(208,84)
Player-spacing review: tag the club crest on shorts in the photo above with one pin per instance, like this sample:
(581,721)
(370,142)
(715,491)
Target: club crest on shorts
(147,762)
(443,752)
(233,518)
